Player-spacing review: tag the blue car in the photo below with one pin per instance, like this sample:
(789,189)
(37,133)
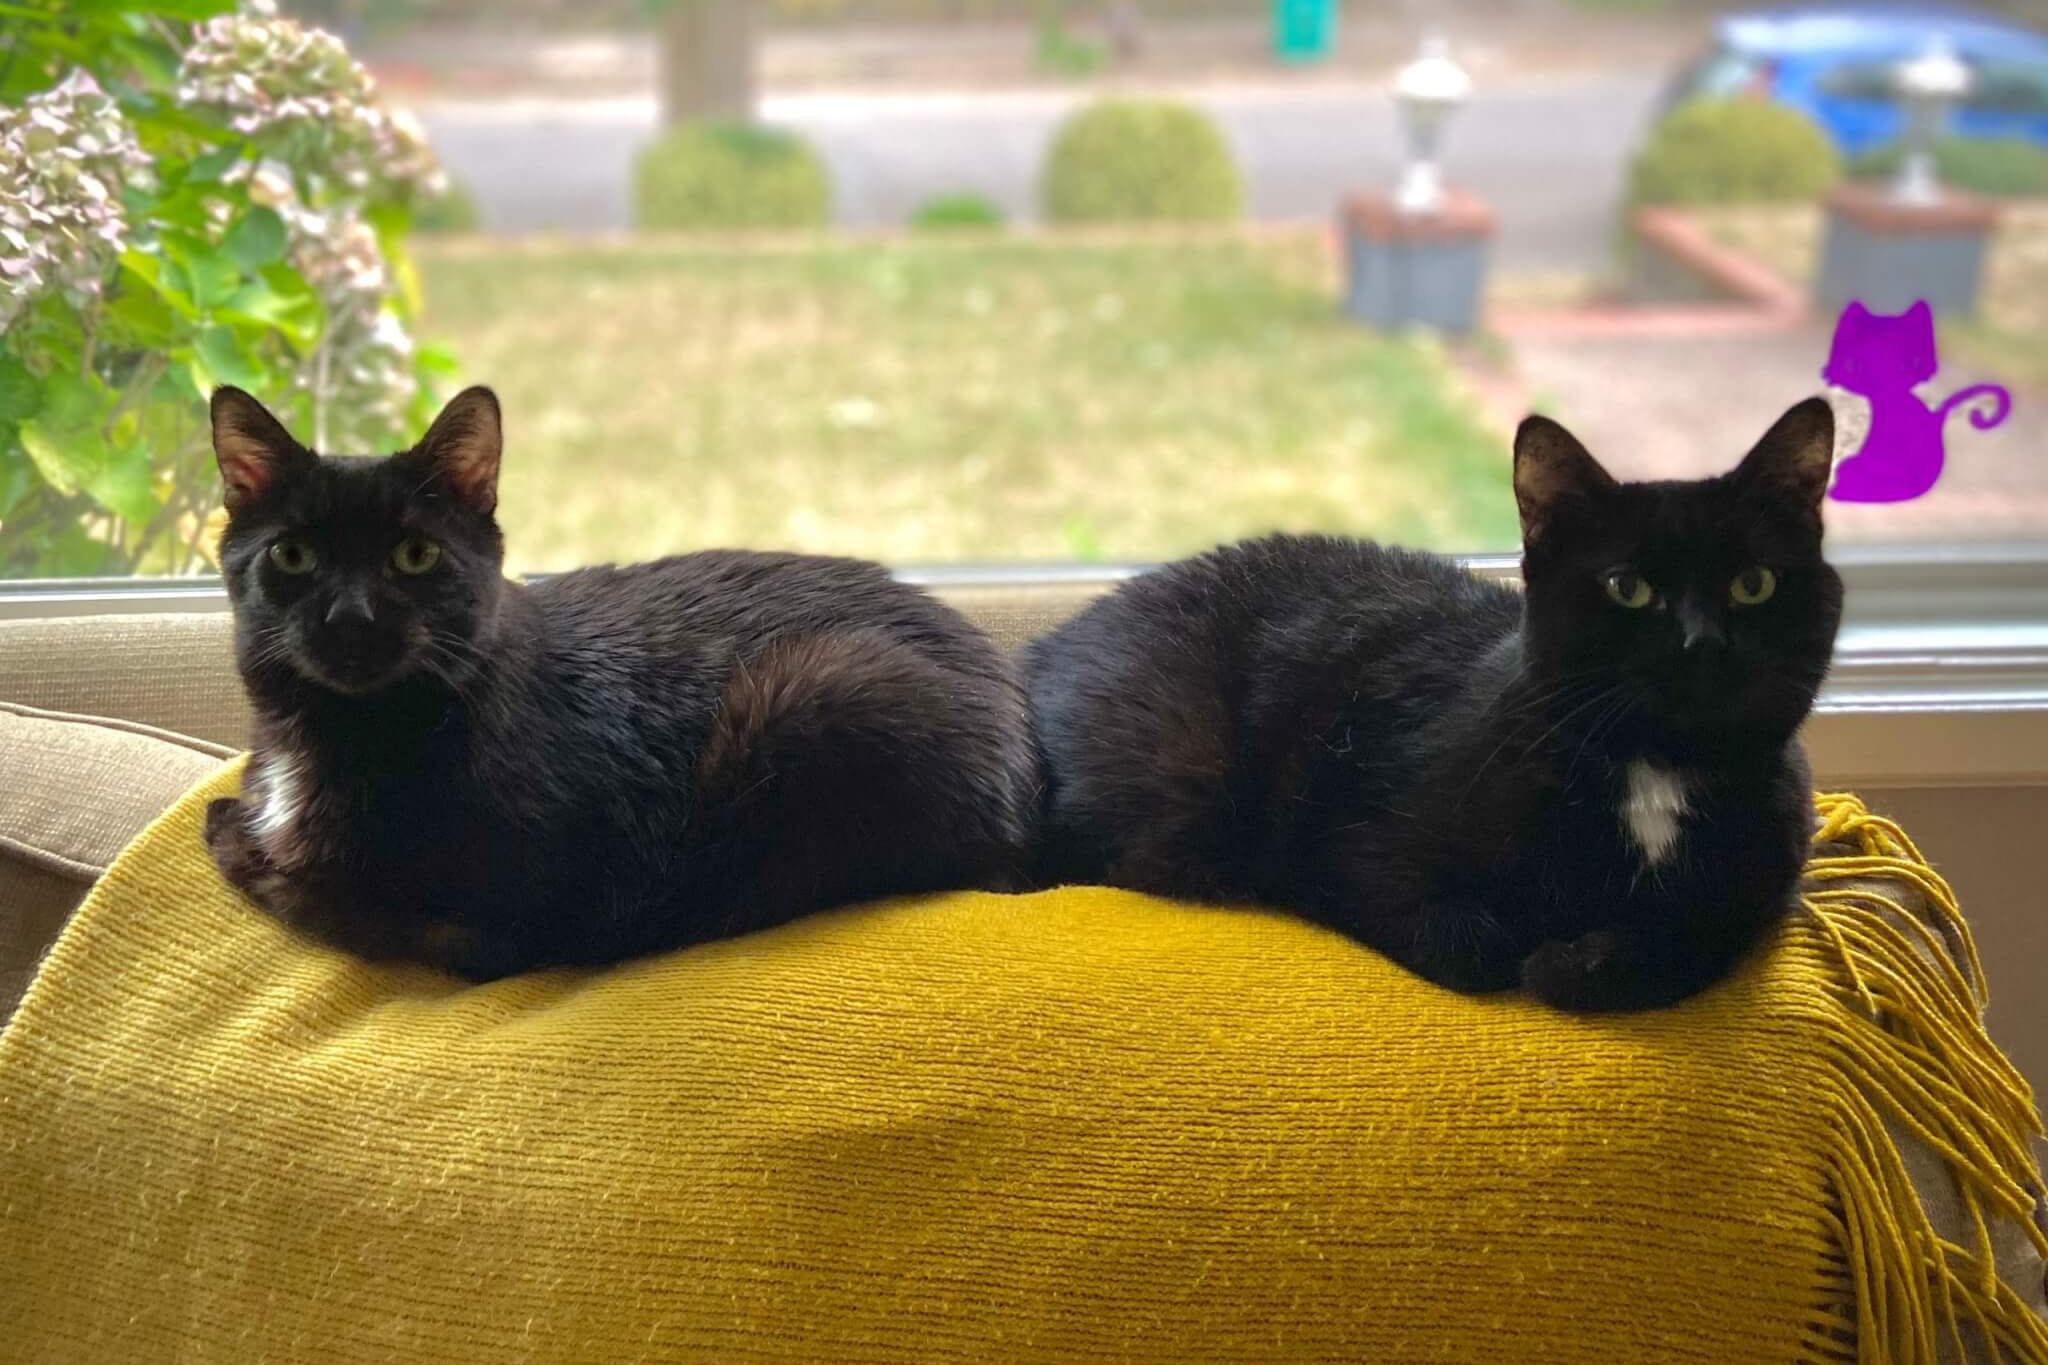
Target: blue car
(1836,64)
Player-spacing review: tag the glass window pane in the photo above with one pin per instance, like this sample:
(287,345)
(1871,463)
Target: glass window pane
(944,281)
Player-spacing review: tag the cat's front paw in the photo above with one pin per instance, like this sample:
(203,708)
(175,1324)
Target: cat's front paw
(243,865)
(223,822)
(1585,973)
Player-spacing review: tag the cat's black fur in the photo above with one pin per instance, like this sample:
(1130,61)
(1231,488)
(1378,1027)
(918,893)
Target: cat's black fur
(1440,766)
(452,768)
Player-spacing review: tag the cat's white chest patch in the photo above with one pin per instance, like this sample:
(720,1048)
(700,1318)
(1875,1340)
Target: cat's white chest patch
(281,780)
(1651,807)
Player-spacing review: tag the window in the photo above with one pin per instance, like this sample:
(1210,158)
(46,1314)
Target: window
(1722,74)
(993,286)
(1877,81)
(2002,87)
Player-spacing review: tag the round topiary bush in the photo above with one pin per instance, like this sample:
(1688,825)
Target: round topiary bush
(2006,165)
(956,213)
(718,175)
(1733,152)
(1128,161)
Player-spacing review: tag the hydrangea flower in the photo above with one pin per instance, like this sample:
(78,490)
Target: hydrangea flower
(64,156)
(302,100)
(365,358)
(306,105)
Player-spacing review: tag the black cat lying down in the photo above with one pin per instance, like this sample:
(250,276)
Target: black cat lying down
(459,770)
(1591,787)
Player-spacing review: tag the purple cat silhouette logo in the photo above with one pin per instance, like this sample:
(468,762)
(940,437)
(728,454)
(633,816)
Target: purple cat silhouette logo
(1883,359)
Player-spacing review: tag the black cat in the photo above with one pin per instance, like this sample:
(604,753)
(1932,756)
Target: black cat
(460,770)
(1591,787)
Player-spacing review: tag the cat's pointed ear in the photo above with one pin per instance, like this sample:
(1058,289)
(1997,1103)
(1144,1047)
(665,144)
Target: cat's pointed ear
(251,447)
(463,447)
(1552,471)
(1796,457)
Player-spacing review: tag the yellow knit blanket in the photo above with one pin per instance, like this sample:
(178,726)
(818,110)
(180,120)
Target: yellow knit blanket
(1080,1126)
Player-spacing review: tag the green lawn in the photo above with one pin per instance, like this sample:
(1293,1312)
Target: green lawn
(920,401)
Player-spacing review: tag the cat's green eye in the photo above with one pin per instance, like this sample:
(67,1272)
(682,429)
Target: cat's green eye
(415,555)
(1630,590)
(1752,586)
(294,557)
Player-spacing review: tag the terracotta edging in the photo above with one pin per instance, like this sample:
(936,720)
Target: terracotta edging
(1679,235)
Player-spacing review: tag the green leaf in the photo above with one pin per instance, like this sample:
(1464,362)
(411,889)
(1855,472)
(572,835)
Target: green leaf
(123,485)
(21,397)
(209,167)
(211,275)
(72,553)
(54,41)
(278,299)
(256,239)
(146,272)
(437,362)
(75,402)
(190,10)
(18,476)
(219,359)
(140,319)
(154,61)
(67,457)
(405,280)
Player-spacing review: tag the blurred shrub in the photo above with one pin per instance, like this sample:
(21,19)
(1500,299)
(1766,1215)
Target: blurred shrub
(956,212)
(189,196)
(2008,165)
(721,175)
(452,210)
(1131,161)
(1059,50)
(1733,152)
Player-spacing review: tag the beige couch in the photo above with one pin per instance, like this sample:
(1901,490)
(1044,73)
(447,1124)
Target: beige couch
(105,720)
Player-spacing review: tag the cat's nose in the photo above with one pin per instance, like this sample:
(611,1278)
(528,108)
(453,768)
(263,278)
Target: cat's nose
(1700,630)
(351,609)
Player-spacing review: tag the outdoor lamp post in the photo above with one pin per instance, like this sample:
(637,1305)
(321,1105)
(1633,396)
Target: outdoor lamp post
(1929,84)
(1427,91)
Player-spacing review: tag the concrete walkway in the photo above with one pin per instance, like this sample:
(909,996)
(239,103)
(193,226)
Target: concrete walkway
(1654,402)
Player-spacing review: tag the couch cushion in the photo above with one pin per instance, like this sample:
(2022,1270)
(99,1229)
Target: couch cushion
(173,671)
(1080,1125)
(176,670)
(76,790)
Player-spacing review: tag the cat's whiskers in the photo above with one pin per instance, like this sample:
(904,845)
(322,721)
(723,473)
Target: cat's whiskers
(1602,696)
(1602,726)
(1535,710)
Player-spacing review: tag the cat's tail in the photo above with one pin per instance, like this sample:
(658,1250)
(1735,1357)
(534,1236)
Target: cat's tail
(1983,420)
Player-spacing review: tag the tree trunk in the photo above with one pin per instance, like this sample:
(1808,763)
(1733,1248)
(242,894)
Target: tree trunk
(707,60)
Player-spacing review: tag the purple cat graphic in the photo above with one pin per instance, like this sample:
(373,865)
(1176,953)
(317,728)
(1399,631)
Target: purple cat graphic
(1882,358)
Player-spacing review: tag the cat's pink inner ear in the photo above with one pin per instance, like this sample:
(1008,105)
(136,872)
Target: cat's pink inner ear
(1552,469)
(464,446)
(250,446)
(1797,455)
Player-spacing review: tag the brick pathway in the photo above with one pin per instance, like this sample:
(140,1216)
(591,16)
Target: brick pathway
(1654,397)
